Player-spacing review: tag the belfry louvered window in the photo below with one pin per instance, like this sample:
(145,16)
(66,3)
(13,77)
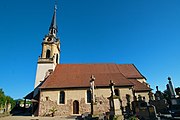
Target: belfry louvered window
(48,53)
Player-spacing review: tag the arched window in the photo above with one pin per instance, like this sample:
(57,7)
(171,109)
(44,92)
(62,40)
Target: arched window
(57,59)
(48,53)
(116,91)
(62,97)
(88,96)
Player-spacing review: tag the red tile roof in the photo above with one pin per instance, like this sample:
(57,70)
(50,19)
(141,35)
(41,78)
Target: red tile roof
(130,71)
(78,75)
(139,87)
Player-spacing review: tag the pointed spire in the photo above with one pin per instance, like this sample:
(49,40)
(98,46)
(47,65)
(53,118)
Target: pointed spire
(53,27)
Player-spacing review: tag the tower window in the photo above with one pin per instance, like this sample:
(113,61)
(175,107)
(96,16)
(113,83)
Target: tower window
(48,53)
(51,31)
(88,96)
(57,58)
(62,97)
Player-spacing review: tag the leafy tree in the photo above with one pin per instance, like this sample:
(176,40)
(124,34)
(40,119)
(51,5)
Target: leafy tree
(10,100)
(5,100)
(2,98)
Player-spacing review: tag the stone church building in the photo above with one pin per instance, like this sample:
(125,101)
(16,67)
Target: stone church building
(67,88)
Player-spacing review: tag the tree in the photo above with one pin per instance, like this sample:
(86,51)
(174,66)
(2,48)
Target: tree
(10,100)
(2,99)
(5,100)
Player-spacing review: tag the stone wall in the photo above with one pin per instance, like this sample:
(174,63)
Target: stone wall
(123,93)
(100,106)
(50,99)
(84,107)
(62,110)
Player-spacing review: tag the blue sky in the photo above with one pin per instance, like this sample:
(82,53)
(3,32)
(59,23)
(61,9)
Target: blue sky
(145,33)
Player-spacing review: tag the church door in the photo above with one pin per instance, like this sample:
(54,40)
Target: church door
(75,107)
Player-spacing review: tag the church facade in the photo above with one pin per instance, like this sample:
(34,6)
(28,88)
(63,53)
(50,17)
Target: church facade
(67,88)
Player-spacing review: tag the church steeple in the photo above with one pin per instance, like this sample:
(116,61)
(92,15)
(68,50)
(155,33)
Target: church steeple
(53,27)
(50,52)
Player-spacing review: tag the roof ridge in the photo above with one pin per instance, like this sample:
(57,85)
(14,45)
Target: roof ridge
(83,63)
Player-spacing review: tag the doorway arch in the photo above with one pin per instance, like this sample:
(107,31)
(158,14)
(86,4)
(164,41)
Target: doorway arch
(75,107)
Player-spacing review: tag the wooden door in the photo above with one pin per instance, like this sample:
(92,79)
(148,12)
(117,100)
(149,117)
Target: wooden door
(75,107)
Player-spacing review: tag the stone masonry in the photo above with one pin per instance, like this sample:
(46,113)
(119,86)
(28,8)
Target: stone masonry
(101,105)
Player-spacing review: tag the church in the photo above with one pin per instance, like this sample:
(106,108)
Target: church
(67,88)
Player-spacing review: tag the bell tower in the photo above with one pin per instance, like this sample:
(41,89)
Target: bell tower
(50,52)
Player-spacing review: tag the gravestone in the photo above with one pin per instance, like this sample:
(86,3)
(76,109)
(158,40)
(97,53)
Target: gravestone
(143,110)
(115,104)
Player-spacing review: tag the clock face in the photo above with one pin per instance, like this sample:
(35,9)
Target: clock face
(49,39)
